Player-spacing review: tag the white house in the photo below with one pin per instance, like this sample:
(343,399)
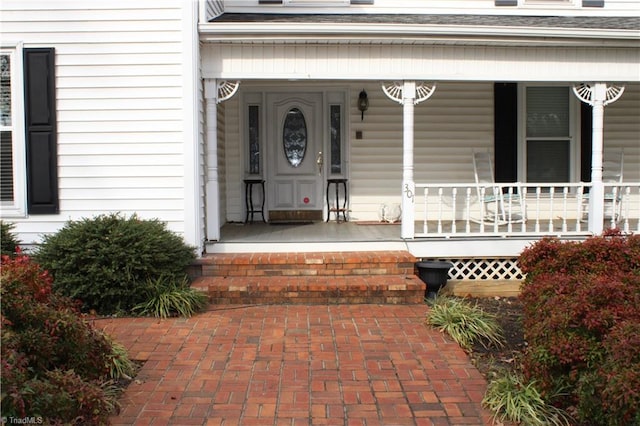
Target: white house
(165,107)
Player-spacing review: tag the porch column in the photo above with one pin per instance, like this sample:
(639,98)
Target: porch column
(408,94)
(407,229)
(215,91)
(597,95)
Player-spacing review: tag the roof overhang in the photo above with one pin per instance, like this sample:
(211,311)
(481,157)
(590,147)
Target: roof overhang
(307,29)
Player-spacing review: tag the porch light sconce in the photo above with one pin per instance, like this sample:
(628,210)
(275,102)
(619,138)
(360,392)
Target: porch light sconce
(363,103)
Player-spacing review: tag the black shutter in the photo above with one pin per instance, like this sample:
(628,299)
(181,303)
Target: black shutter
(41,137)
(506,131)
(586,136)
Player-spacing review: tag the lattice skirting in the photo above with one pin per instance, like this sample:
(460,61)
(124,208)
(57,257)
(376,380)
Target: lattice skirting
(484,269)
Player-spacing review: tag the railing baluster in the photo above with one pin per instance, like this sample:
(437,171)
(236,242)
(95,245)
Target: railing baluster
(538,191)
(468,214)
(614,208)
(638,211)
(425,227)
(454,193)
(483,191)
(439,210)
(497,210)
(552,191)
(579,208)
(522,198)
(565,194)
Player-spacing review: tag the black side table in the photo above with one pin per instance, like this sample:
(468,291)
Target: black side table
(337,209)
(248,199)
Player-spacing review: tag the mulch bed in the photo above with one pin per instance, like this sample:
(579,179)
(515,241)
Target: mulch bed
(508,313)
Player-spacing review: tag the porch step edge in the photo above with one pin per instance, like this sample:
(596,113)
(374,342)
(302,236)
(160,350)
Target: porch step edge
(382,289)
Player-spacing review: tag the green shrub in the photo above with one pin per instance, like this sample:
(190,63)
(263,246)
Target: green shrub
(581,309)
(164,298)
(465,323)
(8,241)
(513,399)
(54,364)
(106,261)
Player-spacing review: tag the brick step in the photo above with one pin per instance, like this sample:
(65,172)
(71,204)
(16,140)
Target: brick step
(305,264)
(378,289)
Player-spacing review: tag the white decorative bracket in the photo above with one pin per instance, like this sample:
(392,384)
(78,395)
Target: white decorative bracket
(589,93)
(394,91)
(226,89)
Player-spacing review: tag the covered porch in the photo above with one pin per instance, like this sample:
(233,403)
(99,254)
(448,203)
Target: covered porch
(411,144)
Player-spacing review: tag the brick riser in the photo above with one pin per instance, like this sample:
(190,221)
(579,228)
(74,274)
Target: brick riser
(310,278)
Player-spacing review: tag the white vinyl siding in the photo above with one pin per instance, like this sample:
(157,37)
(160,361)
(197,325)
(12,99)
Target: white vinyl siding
(622,130)
(448,127)
(119,79)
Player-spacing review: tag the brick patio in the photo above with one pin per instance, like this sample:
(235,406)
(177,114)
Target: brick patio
(297,365)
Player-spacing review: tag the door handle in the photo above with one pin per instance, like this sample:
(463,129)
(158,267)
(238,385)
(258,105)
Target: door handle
(320,161)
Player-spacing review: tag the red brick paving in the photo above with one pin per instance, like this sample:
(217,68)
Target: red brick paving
(297,365)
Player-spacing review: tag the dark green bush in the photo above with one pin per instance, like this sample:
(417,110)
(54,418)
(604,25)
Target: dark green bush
(106,261)
(8,241)
(581,315)
(54,364)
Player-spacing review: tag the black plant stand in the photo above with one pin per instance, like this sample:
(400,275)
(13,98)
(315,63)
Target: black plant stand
(337,208)
(434,274)
(248,198)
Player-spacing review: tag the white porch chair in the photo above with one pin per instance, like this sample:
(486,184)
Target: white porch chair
(495,205)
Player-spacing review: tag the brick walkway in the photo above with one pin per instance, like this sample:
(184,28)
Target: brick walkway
(297,365)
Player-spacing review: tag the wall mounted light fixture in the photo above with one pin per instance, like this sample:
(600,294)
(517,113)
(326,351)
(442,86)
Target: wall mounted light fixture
(363,103)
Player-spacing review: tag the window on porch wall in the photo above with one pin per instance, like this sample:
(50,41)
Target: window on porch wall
(336,139)
(253,131)
(549,151)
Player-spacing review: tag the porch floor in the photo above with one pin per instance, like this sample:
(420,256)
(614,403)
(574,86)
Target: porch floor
(260,232)
(323,232)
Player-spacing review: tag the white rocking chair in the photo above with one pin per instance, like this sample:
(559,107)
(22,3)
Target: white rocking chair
(495,206)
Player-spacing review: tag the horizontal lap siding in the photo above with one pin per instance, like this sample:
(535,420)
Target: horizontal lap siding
(119,101)
(622,129)
(457,119)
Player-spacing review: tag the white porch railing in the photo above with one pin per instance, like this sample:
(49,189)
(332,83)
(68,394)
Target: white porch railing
(517,209)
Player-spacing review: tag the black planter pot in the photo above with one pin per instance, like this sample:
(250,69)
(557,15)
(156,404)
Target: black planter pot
(434,274)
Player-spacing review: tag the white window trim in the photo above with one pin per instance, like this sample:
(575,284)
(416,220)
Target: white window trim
(17,208)
(574,132)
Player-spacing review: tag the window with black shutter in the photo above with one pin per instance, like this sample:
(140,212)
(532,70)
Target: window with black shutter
(40,128)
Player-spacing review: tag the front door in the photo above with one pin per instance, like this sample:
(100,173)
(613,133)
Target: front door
(295,151)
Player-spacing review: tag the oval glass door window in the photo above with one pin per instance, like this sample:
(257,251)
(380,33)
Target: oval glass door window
(294,137)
